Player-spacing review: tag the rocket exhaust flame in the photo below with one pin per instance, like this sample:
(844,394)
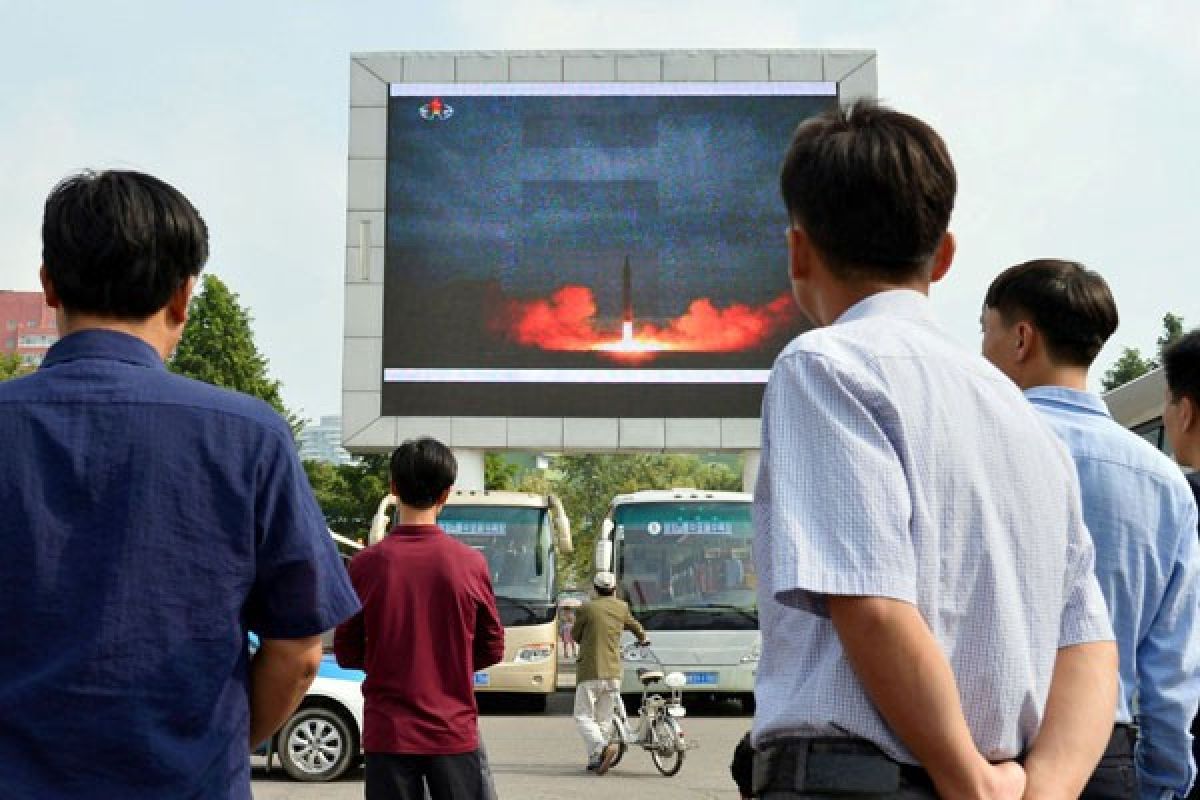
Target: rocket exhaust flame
(567,321)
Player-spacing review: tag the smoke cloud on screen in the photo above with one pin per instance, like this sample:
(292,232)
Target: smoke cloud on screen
(567,321)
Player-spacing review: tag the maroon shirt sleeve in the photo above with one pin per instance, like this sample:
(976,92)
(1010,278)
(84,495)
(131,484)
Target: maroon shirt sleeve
(489,633)
(350,638)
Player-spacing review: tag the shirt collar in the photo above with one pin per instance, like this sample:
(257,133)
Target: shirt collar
(1071,399)
(408,529)
(103,344)
(891,303)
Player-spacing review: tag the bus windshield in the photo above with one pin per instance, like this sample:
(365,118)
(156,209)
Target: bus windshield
(687,565)
(517,543)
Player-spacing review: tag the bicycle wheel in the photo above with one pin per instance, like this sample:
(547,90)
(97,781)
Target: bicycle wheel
(617,734)
(667,753)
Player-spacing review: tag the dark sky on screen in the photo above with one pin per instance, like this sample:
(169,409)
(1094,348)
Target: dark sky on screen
(538,192)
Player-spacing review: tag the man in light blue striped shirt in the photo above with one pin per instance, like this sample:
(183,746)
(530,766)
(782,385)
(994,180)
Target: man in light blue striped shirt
(927,600)
(1044,322)
(1181,424)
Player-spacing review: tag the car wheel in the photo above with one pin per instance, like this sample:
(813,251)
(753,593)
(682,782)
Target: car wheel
(317,744)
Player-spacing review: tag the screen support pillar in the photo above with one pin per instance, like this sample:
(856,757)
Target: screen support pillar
(750,469)
(470,469)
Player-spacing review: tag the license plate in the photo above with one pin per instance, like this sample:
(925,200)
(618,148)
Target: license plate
(701,678)
(482,679)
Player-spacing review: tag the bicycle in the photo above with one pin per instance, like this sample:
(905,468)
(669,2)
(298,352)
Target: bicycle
(658,730)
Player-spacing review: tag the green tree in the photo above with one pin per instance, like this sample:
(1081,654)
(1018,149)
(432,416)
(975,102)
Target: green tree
(11,366)
(1172,330)
(1131,365)
(218,348)
(499,473)
(349,493)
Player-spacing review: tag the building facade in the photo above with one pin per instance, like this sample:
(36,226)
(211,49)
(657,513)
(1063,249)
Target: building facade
(323,442)
(28,327)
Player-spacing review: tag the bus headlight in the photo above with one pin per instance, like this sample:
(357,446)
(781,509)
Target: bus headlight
(534,653)
(753,656)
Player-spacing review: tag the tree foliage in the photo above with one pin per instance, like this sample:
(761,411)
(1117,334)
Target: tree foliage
(218,347)
(1132,365)
(499,474)
(349,493)
(11,366)
(1172,330)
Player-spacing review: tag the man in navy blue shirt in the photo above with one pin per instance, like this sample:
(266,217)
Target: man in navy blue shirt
(147,522)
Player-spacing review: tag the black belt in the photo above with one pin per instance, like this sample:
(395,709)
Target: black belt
(1123,741)
(847,765)
(842,765)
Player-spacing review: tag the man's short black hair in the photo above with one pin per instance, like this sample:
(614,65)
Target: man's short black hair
(120,243)
(873,190)
(1070,305)
(1181,363)
(422,469)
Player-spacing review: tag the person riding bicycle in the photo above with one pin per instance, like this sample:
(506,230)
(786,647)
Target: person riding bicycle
(597,629)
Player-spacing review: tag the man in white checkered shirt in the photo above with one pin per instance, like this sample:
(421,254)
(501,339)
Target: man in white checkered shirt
(931,622)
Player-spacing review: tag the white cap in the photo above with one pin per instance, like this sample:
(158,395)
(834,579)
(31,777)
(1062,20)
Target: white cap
(605,580)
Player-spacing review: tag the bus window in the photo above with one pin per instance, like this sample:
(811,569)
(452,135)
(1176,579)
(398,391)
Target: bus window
(688,564)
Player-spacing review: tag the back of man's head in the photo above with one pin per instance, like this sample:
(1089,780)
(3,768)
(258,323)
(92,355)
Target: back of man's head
(1071,307)
(872,189)
(422,471)
(1181,363)
(118,244)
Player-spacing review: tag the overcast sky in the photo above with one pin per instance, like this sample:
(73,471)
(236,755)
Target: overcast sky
(1073,126)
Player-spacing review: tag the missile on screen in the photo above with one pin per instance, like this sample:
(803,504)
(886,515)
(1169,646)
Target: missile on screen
(627,301)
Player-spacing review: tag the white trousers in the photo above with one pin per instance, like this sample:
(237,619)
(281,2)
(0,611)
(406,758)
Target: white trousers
(593,711)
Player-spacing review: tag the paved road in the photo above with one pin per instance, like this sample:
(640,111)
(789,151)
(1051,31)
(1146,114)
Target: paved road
(540,757)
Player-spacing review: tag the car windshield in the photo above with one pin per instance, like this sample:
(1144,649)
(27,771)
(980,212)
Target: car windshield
(515,541)
(687,565)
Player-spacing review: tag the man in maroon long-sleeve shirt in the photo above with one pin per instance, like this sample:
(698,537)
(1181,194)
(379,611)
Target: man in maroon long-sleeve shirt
(428,622)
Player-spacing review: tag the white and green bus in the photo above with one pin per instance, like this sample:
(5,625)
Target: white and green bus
(683,563)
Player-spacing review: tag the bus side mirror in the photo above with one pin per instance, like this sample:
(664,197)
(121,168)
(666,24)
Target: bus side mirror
(562,526)
(379,523)
(603,555)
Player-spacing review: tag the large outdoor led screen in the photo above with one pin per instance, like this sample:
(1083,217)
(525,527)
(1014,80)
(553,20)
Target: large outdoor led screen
(587,250)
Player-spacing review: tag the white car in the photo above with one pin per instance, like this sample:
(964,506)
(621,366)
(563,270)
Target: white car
(323,738)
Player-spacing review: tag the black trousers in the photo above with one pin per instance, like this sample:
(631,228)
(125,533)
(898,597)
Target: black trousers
(394,776)
(1115,777)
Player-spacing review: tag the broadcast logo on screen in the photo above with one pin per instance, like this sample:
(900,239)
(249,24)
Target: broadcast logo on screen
(436,110)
